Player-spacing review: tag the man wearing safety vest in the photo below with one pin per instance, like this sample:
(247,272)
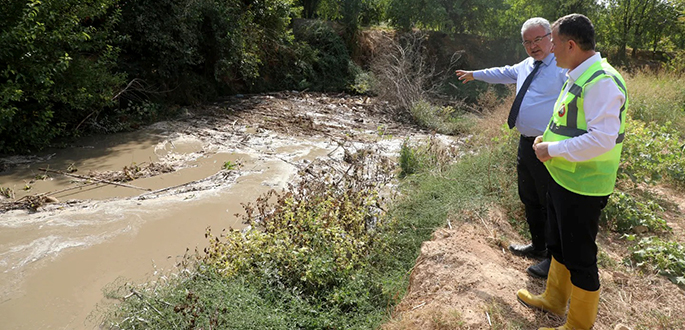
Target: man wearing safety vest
(581,148)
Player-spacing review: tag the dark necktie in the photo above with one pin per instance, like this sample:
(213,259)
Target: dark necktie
(514,112)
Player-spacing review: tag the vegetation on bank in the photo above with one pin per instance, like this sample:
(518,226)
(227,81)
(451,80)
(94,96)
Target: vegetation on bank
(71,67)
(327,253)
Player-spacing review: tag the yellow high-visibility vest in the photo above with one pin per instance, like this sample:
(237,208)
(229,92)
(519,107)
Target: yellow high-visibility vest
(596,176)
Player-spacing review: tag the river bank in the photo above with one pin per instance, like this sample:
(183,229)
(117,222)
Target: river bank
(57,260)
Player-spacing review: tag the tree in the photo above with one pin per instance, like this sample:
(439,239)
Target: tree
(57,64)
(639,24)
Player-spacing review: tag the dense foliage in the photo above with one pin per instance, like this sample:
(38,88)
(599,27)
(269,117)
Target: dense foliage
(57,67)
(109,65)
(191,50)
(320,255)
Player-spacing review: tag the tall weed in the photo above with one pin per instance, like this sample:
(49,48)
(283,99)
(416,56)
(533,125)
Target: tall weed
(657,97)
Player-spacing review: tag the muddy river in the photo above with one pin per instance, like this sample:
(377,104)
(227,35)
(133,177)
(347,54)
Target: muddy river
(91,234)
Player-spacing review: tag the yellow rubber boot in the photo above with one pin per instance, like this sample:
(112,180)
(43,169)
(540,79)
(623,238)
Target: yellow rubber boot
(583,310)
(556,294)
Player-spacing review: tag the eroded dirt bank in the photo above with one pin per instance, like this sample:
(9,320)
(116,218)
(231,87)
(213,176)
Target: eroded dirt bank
(90,234)
(465,278)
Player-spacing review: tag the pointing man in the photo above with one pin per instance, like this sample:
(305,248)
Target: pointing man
(538,82)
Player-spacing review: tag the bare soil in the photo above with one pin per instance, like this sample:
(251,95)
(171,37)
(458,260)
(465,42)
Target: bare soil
(466,279)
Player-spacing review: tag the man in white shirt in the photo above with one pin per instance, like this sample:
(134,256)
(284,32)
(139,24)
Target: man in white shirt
(581,148)
(538,82)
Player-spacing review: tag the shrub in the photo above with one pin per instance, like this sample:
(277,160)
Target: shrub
(666,257)
(409,160)
(189,51)
(330,67)
(441,119)
(625,214)
(58,63)
(652,153)
(313,237)
(404,75)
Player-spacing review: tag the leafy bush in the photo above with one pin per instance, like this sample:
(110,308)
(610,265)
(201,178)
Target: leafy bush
(676,64)
(667,257)
(625,213)
(189,51)
(329,67)
(652,153)
(312,241)
(58,67)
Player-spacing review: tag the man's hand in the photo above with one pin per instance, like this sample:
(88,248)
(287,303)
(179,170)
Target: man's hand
(464,76)
(538,139)
(541,149)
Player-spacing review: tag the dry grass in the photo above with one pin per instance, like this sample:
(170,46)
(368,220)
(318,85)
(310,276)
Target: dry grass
(429,319)
(656,97)
(494,116)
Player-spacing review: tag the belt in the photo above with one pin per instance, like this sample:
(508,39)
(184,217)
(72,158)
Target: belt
(528,138)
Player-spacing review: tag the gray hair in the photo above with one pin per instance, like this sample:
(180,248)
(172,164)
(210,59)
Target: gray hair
(536,21)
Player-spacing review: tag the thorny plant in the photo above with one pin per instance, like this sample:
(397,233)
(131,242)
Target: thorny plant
(316,234)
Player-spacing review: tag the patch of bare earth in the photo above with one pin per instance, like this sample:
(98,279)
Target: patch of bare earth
(465,278)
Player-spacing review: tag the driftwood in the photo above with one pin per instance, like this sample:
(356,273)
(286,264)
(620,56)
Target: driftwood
(94,179)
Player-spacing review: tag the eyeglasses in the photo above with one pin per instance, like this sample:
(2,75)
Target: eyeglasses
(535,41)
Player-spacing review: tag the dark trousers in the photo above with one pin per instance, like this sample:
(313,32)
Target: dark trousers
(572,230)
(533,179)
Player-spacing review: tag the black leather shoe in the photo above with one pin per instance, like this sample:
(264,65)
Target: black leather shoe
(540,270)
(528,251)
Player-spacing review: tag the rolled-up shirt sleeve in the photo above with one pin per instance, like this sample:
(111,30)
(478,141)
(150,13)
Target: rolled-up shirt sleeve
(602,106)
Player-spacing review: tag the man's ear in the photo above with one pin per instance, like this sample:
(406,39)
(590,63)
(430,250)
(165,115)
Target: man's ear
(571,44)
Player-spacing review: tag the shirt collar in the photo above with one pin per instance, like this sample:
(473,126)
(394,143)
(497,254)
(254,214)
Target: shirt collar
(574,74)
(547,60)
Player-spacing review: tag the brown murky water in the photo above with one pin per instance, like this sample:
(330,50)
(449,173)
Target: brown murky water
(55,263)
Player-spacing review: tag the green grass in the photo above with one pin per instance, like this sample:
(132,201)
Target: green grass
(441,119)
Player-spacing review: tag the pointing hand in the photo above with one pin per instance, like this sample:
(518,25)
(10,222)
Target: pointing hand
(464,76)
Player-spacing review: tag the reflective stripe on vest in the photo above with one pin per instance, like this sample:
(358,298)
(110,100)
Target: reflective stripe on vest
(596,176)
(571,129)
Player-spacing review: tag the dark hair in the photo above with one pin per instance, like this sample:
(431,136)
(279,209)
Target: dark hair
(578,28)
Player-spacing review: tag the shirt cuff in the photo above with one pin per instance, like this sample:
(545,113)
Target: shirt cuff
(554,149)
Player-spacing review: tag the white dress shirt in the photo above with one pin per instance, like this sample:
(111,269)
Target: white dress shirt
(538,103)
(602,105)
